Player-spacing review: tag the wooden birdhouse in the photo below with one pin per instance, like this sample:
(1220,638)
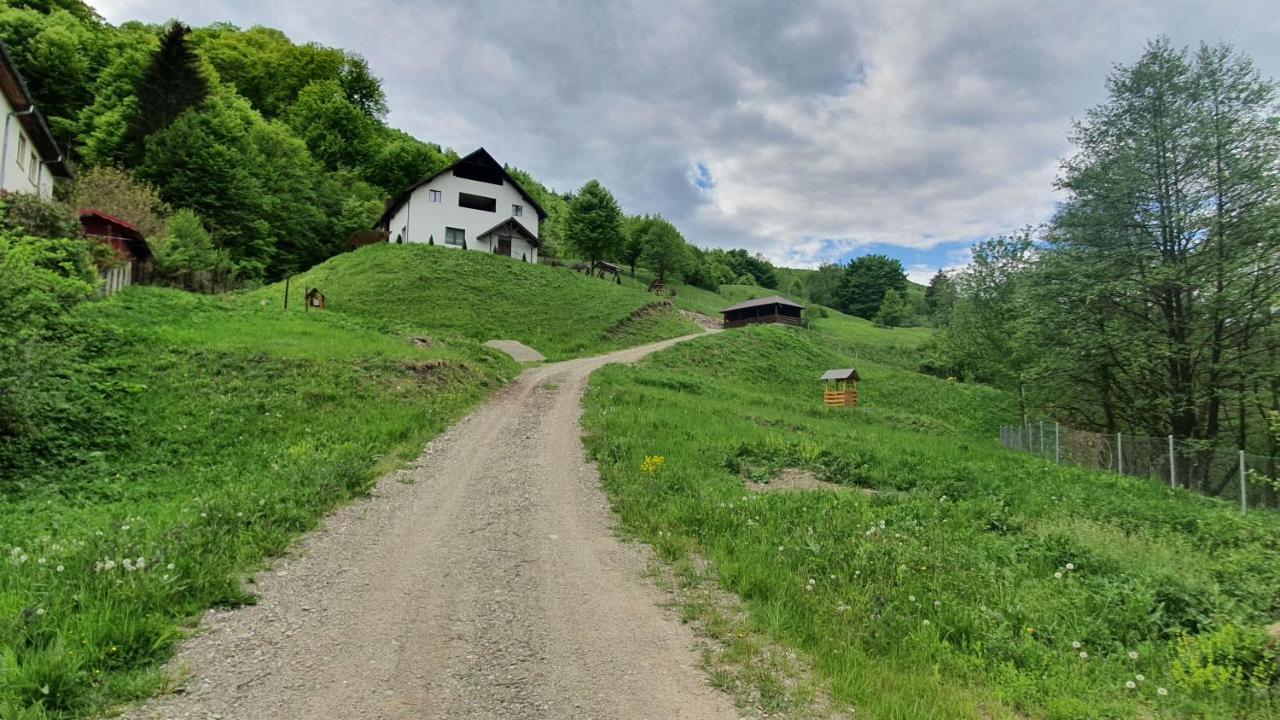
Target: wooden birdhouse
(840,387)
(315,299)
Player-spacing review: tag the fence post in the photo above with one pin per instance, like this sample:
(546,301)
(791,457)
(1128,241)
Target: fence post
(1041,438)
(1119,454)
(1173,465)
(1057,443)
(1244,487)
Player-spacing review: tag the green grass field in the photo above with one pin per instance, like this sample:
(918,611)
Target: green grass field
(949,579)
(217,430)
(478,296)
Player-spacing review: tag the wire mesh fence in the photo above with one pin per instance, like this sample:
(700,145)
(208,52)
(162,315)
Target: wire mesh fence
(1249,479)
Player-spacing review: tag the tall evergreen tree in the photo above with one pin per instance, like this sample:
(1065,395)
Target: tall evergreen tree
(940,296)
(173,82)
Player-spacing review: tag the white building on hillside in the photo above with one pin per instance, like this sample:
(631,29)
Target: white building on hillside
(30,161)
(473,204)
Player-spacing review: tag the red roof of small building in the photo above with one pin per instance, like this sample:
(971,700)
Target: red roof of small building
(120,230)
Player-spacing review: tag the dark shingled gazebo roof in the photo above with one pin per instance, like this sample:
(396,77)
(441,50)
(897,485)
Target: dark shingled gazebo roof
(843,374)
(762,302)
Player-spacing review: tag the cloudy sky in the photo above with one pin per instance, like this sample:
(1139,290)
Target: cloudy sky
(805,130)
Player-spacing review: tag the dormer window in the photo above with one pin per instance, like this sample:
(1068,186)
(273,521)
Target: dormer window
(517,210)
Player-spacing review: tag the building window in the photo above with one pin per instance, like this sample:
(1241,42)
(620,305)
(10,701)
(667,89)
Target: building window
(455,236)
(33,168)
(517,210)
(477,202)
(22,151)
(437,196)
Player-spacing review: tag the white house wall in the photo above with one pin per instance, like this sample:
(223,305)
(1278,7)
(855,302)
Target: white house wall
(418,219)
(15,177)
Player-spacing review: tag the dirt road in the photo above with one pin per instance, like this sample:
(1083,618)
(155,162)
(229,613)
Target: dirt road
(482,582)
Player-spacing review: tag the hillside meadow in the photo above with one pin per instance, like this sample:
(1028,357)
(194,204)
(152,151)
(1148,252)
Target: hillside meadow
(478,296)
(938,576)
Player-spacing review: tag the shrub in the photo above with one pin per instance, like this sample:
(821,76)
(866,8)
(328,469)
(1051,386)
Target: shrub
(114,190)
(1230,657)
(39,280)
(186,256)
(26,214)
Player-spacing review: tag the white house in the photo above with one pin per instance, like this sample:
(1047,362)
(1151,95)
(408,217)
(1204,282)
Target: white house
(30,161)
(473,204)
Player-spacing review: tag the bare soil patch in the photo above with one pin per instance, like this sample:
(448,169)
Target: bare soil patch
(793,479)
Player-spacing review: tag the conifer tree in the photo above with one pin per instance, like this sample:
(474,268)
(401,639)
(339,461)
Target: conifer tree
(172,82)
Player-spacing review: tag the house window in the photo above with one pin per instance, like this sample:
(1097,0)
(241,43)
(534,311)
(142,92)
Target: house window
(32,168)
(437,196)
(477,202)
(22,151)
(455,236)
(517,210)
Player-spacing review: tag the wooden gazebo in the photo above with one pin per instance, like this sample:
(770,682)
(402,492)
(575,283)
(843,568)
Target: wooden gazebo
(840,387)
(774,309)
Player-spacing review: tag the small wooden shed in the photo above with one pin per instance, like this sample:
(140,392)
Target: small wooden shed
(315,299)
(774,309)
(136,259)
(840,387)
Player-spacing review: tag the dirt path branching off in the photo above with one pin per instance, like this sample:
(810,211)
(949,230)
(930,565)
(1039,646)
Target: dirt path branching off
(481,582)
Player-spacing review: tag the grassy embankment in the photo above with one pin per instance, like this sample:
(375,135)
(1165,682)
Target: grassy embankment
(556,311)
(194,436)
(950,579)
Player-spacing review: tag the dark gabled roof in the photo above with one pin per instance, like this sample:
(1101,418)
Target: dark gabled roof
(842,374)
(128,232)
(15,91)
(479,155)
(761,302)
(519,228)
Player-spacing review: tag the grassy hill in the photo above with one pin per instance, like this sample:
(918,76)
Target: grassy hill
(949,579)
(444,292)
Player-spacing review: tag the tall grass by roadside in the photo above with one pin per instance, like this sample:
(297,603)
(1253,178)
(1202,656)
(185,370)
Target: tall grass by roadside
(949,578)
(201,436)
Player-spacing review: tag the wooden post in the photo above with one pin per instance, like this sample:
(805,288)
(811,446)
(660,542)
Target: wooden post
(1119,454)
(1173,464)
(1244,485)
(1057,443)
(286,292)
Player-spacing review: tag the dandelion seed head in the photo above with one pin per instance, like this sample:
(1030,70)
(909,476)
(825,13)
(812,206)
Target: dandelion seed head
(1140,677)
(1162,692)
(1130,684)
(60,568)
(1133,654)
(1058,575)
(1084,655)
(1075,645)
